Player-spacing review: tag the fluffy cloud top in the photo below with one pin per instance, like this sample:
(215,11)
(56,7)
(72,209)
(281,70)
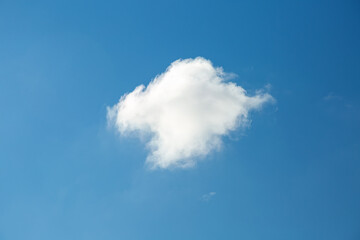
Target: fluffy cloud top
(186,110)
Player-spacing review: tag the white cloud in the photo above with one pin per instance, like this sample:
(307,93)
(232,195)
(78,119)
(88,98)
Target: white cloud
(208,196)
(332,96)
(186,110)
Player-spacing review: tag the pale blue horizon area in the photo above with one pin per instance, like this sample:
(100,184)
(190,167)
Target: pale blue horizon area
(293,174)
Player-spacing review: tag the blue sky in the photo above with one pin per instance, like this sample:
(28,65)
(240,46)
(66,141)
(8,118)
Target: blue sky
(293,174)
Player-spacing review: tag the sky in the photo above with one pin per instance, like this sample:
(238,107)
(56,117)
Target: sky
(286,166)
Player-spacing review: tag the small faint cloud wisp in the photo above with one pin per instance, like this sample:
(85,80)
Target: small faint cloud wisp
(331,96)
(208,196)
(186,111)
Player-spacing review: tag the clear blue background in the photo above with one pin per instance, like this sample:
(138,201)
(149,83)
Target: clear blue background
(295,174)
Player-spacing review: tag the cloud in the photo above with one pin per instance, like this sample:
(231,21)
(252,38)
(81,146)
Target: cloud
(331,96)
(185,111)
(208,196)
